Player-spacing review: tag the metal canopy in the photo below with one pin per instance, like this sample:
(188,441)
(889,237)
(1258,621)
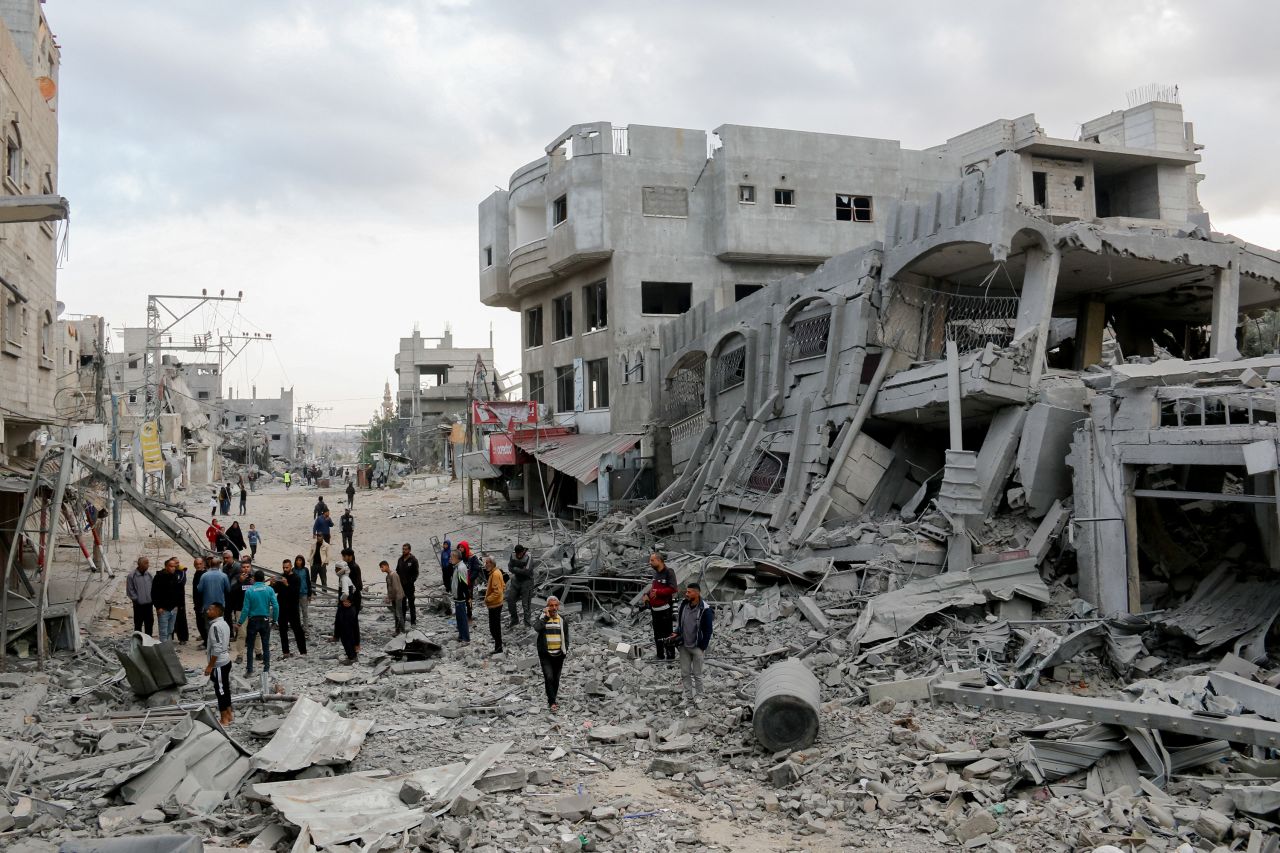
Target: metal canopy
(576,455)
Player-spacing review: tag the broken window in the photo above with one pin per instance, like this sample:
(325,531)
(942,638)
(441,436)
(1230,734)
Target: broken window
(534,384)
(598,384)
(853,208)
(14,159)
(746,194)
(133,396)
(731,368)
(275,436)
(433,375)
(559,210)
(488,256)
(768,473)
(625,375)
(1040,189)
(742,291)
(637,367)
(133,364)
(562,316)
(595,305)
(665,297)
(809,336)
(784,198)
(533,327)
(564,388)
(1079,182)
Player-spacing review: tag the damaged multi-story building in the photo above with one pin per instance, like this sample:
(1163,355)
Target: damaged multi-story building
(434,386)
(264,424)
(1043,321)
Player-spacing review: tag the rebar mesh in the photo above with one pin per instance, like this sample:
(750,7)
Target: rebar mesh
(971,320)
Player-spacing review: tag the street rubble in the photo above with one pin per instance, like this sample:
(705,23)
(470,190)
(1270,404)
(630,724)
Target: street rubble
(908,710)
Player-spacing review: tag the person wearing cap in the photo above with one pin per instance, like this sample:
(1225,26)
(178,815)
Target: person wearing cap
(521,589)
(694,622)
(553,647)
(661,592)
(460,591)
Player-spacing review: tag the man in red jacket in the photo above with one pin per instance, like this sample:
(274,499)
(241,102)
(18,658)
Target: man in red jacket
(659,595)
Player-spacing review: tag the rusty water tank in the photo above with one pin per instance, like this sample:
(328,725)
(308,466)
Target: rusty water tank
(786,706)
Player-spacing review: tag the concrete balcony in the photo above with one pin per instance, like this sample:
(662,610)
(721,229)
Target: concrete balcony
(495,287)
(528,266)
(575,244)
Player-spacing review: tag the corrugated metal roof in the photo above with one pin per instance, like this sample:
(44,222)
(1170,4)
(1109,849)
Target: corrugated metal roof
(576,455)
(312,734)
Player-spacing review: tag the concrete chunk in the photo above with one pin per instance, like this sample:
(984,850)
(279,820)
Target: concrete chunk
(981,823)
(668,766)
(782,775)
(467,801)
(503,779)
(810,610)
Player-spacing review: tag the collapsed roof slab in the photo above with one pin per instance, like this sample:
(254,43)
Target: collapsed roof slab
(988,381)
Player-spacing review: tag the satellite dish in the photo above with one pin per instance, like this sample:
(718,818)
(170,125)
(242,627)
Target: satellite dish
(48,88)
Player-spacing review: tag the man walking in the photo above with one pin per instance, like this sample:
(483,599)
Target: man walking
(244,497)
(348,524)
(395,596)
(319,561)
(407,569)
(693,634)
(495,586)
(166,596)
(662,590)
(261,608)
(255,539)
(351,494)
(323,526)
(288,480)
(320,508)
(289,595)
(138,588)
(219,666)
(461,593)
(553,646)
(521,590)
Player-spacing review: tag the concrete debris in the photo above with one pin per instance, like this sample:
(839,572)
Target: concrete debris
(150,665)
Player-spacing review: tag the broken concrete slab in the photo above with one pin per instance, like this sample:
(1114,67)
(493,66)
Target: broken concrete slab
(811,611)
(914,689)
(1042,455)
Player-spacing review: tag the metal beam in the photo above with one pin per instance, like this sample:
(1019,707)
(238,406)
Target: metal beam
(51,546)
(1204,496)
(1169,718)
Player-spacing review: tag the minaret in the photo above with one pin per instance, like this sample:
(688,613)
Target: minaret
(387,409)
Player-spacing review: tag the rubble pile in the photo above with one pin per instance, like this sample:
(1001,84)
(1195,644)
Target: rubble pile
(458,752)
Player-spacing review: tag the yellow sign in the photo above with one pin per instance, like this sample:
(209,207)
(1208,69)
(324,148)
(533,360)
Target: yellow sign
(152,458)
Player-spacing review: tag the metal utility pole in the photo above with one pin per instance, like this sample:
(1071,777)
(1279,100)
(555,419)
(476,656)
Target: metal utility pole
(115,457)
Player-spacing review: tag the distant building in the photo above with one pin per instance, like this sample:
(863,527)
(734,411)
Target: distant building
(268,420)
(435,383)
(29,343)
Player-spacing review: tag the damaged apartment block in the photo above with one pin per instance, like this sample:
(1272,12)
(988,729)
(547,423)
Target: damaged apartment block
(1057,323)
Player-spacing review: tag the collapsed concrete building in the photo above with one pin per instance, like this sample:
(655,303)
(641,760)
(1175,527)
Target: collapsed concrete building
(1061,314)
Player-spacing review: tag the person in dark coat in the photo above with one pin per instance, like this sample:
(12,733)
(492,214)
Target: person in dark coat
(288,589)
(202,621)
(407,569)
(446,568)
(348,524)
(357,581)
(236,535)
(180,626)
(347,626)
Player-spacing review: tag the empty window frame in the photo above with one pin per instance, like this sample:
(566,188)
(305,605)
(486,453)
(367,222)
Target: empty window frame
(742,291)
(12,321)
(202,395)
(559,210)
(853,208)
(46,339)
(784,198)
(746,194)
(562,317)
(637,367)
(595,306)
(598,383)
(1040,188)
(275,436)
(487,256)
(14,156)
(665,297)
(536,388)
(533,327)
(564,388)
(768,474)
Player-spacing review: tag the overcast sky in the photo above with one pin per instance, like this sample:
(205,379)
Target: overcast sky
(327,157)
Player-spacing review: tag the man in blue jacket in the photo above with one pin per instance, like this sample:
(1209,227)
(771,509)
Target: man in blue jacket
(261,608)
(693,634)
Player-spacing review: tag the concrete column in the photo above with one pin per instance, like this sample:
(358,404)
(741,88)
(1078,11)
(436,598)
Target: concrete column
(1225,313)
(1035,303)
(1091,323)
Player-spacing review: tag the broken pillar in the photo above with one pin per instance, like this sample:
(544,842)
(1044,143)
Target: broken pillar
(999,450)
(786,707)
(1091,324)
(1042,455)
(1225,314)
(1035,304)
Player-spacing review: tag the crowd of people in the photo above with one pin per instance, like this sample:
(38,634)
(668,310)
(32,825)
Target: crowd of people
(230,597)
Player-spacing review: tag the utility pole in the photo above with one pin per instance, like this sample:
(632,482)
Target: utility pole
(115,457)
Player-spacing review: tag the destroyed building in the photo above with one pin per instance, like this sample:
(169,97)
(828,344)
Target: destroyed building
(1093,317)
(264,423)
(434,387)
(29,212)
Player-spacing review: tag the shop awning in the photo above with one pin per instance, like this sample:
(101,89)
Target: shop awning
(576,455)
